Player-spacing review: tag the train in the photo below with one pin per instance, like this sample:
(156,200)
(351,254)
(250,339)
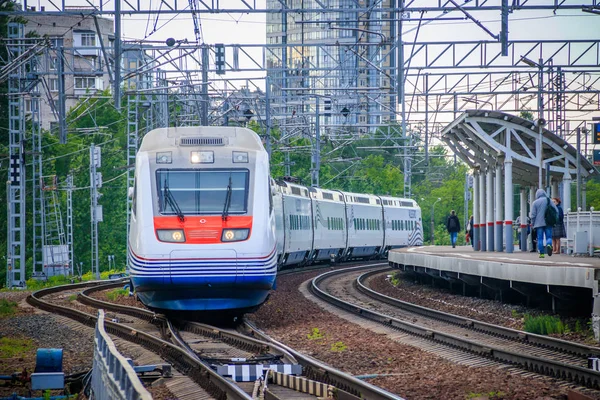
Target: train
(209,228)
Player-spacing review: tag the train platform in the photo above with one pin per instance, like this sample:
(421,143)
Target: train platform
(560,282)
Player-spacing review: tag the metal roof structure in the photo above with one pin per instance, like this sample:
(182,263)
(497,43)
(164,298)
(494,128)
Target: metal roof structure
(483,138)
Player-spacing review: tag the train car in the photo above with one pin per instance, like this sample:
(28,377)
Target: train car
(364,221)
(202,228)
(330,236)
(402,221)
(294,223)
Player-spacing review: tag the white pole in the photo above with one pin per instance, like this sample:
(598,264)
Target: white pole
(476,218)
(508,206)
(499,222)
(489,208)
(482,215)
(523,198)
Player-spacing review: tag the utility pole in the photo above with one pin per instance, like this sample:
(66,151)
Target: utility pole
(316,156)
(70,222)
(96,210)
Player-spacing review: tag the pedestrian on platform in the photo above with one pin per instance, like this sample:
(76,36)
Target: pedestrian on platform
(470,231)
(559,229)
(453,226)
(541,226)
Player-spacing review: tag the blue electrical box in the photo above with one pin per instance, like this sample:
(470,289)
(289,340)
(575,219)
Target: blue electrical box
(48,370)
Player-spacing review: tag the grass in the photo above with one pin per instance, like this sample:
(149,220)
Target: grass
(113,295)
(72,297)
(395,279)
(315,334)
(338,347)
(543,325)
(7,308)
(35,284)
(10,348)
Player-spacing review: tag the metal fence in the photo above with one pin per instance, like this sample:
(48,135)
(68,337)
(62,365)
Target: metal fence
(113,378)
(583,231)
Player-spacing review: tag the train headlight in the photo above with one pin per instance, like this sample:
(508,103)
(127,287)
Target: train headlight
(240,157)
(170,235)
(202,157)
(234,235)
(164,157)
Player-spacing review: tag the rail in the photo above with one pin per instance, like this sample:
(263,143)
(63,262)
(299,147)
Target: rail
(112,375)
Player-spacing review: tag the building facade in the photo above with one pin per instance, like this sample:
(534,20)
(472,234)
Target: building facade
(345,59)
(76,41)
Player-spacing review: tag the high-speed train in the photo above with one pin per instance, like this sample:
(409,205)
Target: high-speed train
(209,228)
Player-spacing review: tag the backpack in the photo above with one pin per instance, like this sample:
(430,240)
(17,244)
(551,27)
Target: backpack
(551,215)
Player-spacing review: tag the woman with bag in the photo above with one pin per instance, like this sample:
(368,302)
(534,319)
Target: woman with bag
(558,231)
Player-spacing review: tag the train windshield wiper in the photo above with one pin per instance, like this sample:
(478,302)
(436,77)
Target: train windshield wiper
(172,202)
(227,200)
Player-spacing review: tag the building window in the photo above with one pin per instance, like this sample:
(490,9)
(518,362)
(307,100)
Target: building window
(85,83)
(53,63)
(88,39)
(53,84)
(54,127)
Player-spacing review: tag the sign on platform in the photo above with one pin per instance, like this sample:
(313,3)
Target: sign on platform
(596,133)
(596,157)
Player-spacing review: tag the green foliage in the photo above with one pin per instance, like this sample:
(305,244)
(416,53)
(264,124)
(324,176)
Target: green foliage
(115,294)
(578,327)
(36,284)
(338,347)
(315,334)
(10,347)
(7,308)
(516,314)
(543,324)
(395,279)
(72,297)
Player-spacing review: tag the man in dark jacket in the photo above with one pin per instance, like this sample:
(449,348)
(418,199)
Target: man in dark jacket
(453,226)
(538,220)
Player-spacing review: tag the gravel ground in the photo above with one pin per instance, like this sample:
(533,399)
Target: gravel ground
(409,372)
(493,312)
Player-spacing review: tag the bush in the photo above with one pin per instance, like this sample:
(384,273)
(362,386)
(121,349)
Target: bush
(544,325)
(7,308)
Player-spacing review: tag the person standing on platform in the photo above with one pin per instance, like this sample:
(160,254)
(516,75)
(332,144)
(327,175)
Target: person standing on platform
(541,226)
(453,226)
(559,229)
(470,231)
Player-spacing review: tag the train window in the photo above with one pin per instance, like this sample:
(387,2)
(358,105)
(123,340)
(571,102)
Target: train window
(296,191)
(202,191)
(328,196)
(377,201)
(406,203)
(341,197)
(364,200)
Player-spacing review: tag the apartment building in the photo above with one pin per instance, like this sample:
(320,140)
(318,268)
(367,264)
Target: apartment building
(76,41)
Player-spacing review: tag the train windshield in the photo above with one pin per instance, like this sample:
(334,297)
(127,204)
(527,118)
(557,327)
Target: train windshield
(202,192)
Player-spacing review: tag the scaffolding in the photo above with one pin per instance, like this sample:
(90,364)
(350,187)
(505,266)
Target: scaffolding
(55,248)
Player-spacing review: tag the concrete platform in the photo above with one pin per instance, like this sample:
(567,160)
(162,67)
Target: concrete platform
(571,280)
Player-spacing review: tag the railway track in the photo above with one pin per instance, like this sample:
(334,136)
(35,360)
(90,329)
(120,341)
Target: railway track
(534,353)
(196,349)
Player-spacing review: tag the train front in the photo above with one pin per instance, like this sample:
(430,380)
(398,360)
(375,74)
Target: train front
(202,235)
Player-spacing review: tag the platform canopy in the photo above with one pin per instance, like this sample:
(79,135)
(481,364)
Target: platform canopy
(483,139)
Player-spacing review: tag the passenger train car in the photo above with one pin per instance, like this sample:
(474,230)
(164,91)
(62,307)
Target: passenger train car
(209,228)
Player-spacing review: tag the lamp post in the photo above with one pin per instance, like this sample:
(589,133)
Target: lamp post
(432,222)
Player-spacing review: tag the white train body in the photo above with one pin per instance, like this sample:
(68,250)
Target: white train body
(202,229)
(209,228)
(317,224)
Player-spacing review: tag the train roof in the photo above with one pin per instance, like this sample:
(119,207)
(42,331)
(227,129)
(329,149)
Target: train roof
(326,194)
(361,198)
(293,189)
(201,136)
(390,201)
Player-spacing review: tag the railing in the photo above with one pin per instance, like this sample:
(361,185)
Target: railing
(112,375)
(583,230)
